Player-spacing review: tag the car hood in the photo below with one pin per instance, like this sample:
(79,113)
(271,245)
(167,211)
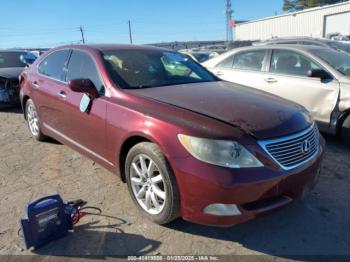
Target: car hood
(11,72)
(258,113)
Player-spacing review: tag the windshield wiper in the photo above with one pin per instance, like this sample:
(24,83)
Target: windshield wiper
(139,87)
(170,84)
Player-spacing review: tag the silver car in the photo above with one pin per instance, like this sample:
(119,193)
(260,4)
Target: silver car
(316,77)
(337,45)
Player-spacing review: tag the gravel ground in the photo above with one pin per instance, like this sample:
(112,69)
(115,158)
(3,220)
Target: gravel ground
(319,225)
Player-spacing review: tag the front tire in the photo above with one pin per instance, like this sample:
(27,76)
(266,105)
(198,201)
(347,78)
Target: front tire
(33,121)
(151,183)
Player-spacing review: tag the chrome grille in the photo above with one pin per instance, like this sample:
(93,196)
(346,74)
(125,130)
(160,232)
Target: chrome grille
(292,151)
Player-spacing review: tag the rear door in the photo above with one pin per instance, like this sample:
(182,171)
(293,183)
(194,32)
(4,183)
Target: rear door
(245,68)
(50,87)
(288,78)
(86,131)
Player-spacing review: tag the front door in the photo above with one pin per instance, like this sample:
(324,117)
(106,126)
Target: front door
(86,131)
(288,78)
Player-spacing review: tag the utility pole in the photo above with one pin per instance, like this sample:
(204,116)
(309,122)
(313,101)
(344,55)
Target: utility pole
(228,13)
(82,34)
(130,33)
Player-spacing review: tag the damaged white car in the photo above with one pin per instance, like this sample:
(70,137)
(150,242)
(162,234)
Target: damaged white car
(316,77)
(12,63)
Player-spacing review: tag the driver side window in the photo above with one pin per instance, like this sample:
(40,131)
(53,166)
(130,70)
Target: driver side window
(81,65)
(291,63)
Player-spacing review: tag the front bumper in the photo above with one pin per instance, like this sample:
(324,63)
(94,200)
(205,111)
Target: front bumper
(255,191)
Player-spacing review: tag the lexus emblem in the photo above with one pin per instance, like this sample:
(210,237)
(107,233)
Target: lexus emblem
(305,146)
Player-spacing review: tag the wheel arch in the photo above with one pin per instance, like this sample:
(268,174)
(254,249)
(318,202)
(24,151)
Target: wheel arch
(341,120)
(23,103)
(125,148)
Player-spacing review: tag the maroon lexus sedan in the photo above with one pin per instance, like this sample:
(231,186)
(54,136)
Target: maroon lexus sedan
(186,143)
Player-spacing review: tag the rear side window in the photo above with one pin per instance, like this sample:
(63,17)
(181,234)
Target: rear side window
(250,60)
(227,62)
(291,63)
(82,65)
(55,64)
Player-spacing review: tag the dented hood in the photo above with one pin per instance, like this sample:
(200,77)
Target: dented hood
(258,113)
(11,72)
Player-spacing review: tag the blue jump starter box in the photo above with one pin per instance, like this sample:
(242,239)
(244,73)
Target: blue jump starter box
(48,219)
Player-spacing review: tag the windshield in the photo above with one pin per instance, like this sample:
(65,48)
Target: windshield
(342,47)
(11,59)
(337,60)
(150,68)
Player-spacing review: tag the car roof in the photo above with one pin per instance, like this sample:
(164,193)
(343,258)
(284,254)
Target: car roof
(110,47)
(13,51)
(286,46)
(311,39)
(204,52)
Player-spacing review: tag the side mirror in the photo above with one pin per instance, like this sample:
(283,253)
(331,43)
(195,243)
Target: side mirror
(28,58)
(82,85)
(319,73)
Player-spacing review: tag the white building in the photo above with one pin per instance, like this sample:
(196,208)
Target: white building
(314,22)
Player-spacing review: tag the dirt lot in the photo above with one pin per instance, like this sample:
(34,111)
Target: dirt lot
(29,170)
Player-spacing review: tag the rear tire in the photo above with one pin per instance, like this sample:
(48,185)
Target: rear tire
(152,184)
(33,121)
(345,131)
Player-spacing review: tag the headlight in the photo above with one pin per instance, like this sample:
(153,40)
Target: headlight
(219,152)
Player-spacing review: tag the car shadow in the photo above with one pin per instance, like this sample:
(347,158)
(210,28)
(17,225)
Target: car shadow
(99,240)
(317,225)
(14,110)
(51,140)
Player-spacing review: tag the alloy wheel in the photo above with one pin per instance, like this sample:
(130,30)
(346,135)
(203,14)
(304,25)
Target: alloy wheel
(33,121)
(147,184)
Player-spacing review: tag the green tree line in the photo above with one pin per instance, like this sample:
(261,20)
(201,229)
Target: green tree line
(297,5)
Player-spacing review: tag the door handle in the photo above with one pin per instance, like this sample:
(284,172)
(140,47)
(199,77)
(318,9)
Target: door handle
(219,73)
(35,85)
(271,80)
(62,94)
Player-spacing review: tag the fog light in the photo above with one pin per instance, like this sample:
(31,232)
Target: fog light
(222,210)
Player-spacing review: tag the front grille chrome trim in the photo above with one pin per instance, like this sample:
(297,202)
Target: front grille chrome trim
(286,151)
